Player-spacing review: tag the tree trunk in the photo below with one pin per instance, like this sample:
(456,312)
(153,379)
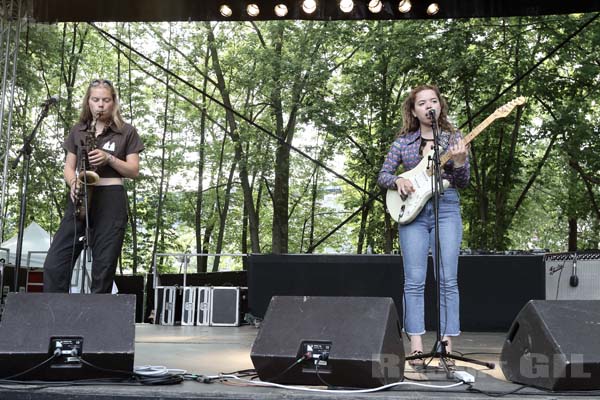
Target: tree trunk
(239,154)
(158,231)
(200,265)
(573,234)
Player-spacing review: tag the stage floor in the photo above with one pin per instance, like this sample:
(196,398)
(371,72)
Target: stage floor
(214,350)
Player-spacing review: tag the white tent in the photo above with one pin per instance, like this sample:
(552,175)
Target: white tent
(35,239)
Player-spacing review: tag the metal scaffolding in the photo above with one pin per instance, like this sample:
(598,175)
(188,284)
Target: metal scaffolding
(12,19)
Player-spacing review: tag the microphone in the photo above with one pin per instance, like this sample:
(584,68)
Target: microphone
(574,279)
(50,101)
(431,114)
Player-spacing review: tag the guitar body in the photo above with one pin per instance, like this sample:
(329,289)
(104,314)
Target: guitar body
(404,211)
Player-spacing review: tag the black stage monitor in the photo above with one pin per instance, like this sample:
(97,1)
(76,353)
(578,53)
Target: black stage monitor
(340,341)
(554,344)
(56,336)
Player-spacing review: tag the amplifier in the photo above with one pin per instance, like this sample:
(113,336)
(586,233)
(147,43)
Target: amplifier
(572,276)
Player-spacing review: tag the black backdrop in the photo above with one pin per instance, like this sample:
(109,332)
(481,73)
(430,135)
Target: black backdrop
(493,288)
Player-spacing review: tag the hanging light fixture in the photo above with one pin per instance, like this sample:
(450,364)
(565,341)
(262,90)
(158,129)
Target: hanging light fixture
(225,11)
(433,9)
(281,10)
(309,6)
(252,9)
(346,5)
(404,6)
(375,6)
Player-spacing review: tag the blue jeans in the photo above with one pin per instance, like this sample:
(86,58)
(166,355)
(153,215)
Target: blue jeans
(415,240)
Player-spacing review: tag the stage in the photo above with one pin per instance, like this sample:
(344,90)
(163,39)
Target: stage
(213,350)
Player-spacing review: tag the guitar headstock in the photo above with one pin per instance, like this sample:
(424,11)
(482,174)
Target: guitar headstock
(508,107)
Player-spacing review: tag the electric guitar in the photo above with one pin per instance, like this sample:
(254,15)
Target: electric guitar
(403,209)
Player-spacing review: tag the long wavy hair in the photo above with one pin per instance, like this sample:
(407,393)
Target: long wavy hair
(86,114)
(410,123)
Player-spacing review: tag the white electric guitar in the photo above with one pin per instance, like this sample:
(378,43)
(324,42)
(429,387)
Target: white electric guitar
(403,209)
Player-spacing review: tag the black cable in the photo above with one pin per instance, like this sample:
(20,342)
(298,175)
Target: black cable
(242,372)
(477,352)
(89,364)
(82,382)
(129,378)
(319,375)
(298,361)
(43,363)
(494,394)
(562,267)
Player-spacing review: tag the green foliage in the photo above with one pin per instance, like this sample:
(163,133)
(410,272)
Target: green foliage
(334,91)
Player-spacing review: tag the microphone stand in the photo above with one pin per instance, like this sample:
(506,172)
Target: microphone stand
(87,256)
(437,186)
(25,151)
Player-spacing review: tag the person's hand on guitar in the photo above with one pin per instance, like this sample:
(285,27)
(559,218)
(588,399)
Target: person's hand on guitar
(405,187)
(458,153)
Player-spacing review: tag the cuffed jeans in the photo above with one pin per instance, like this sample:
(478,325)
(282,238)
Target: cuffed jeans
(416,239)
(108,220)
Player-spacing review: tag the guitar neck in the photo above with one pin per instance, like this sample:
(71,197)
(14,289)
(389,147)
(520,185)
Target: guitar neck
(472,135)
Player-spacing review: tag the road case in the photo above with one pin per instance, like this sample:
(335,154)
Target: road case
(166,305)
(225,306)
(203,304)
(188,306)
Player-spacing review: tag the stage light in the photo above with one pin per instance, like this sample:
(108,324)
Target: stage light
(346,5)
(309,6)
(375,6)
(281,10)
(252,10)
(404,6)
(225,11)
(433,9)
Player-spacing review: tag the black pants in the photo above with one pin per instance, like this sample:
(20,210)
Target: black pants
(108,220)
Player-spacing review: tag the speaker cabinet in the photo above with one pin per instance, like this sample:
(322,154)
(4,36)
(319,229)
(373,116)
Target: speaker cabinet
(342,341)
(55,331)
(554,345)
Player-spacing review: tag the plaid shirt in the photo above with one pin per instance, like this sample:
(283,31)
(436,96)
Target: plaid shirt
(405,150)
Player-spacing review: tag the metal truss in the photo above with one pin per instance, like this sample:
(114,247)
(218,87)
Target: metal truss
(11,20)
